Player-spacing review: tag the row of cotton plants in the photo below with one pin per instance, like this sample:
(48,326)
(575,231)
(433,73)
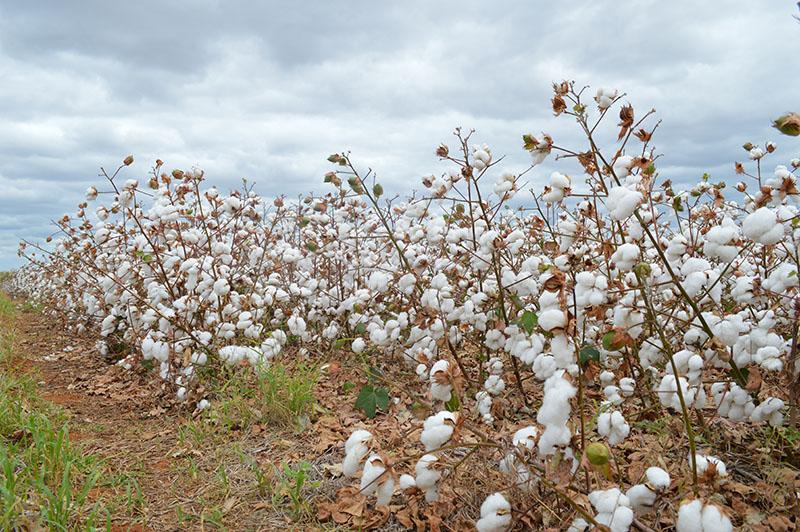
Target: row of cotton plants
(606,282)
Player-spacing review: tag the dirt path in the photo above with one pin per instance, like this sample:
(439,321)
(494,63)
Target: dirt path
(163,469)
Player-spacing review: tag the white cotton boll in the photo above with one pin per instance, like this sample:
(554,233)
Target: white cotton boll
(606,377)
(622,202)
(657,478)
(718,241)
(622,166)
(625,257)
(690,517)
(763,226)
(578,525)
(769,411)
(525,438)
(438,429)
(613,509)
(704,462)
(428,477)
(553,318)
(605,97)
(554,413)
(627,385)
(358,345)
(544,366)
(494,384)
(714,520)
(441,389)
(641,497)
(407,482)
(612,425)
(557,188)
(374,481)
(495,514)
(221,287)
(356,448)
(612,395)
(203,404)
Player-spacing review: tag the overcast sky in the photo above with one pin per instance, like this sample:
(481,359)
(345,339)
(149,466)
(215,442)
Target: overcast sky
(266,90)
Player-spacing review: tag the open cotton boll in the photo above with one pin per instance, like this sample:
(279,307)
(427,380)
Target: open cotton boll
(428,477)
(605,97)
(694,516)
(714,520)
(441,389)
(358,345)
(613,509)
(769,411)
(578,525)
(555,412)
(612,425)
(553,318)
(718,241)
(495,514)
(763,226)
(706,463)
(375,480)
(438,429)
(642,498)
(407,482)
(657,478)
(356,448)
(625,257)
(622,202)
(557,188)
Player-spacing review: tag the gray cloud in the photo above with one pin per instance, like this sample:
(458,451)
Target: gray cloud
(267,90)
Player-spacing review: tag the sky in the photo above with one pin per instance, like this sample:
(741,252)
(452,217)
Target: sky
(267,90)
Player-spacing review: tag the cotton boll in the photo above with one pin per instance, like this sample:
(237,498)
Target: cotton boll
(578,525)
(356,448)
(625,257)
(613,509)
(428,477)
(407,482)
(763,226)
(374,480)
(622,202)
(605,97)
(642,498)
(552,319)
(714,520)
(358,345)
(440,381)
(690,517)
(769,411)
(694,516)
(495,514)
(612,425)
(554,413)
(438,429)
(657,478)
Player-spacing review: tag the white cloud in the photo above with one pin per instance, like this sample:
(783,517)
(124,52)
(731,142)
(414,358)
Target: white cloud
(267,91)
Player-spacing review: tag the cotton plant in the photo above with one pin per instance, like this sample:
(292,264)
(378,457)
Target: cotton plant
(608,284)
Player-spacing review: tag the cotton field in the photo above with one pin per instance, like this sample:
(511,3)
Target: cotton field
(546,322)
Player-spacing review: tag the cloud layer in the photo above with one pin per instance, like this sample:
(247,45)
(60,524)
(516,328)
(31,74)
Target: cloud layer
(267,90)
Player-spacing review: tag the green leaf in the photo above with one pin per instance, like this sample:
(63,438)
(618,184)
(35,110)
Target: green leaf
(676,204)
(528,321)
(361,328)
(588,353)
(372,398)
(454,404)
(347,386)
(608,341)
